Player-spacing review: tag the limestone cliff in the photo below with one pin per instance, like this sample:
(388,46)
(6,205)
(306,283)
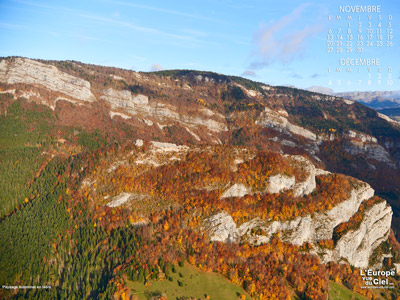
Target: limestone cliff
(357,245)
(278,120)
(139,105)
(278,183)
(23,70)
(307,186)
(354,247)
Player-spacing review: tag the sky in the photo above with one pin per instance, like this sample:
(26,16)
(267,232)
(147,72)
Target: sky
(287,42)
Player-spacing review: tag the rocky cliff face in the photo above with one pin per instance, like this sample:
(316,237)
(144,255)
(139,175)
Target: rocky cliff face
(370,150)
(123,103)
(363,144)
(139,105)
(124,99)
(308,185)
(355,246)
(278,183)
(23,70)
(236,190)
(222,228)
(311,228)
(278,121)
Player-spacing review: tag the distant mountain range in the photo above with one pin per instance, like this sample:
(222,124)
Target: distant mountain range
(375,99)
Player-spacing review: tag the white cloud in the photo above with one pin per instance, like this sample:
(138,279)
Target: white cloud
(297,76)
(249,73)
(156,67)
(138,57)
(283,41)
(147,30)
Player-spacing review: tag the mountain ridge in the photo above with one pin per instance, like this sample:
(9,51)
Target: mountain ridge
(260,160)
(173,111)
(378,100)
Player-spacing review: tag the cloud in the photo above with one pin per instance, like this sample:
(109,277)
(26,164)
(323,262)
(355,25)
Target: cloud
(83,39)
(193,32)
(249,73)
(283,41)
(156,67)
(146,30)
(315,75)
(138,57)
(297,76)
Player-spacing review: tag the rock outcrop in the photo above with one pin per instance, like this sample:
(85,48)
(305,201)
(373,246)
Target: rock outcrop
(355,246)
(124,99)
(124,197)
(222,228)
(359,143)
(236,190)
(168,147)
(361,136)
(370,150)
(278,183)
(119,200)
(123,103)
(139,104)
(390,120)
(325,222)
(123,116)
(308,185)
(278,121)
(27,71)
(168,113)
(160,153)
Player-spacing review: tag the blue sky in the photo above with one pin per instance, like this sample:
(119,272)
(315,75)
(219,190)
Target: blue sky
(276,42)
